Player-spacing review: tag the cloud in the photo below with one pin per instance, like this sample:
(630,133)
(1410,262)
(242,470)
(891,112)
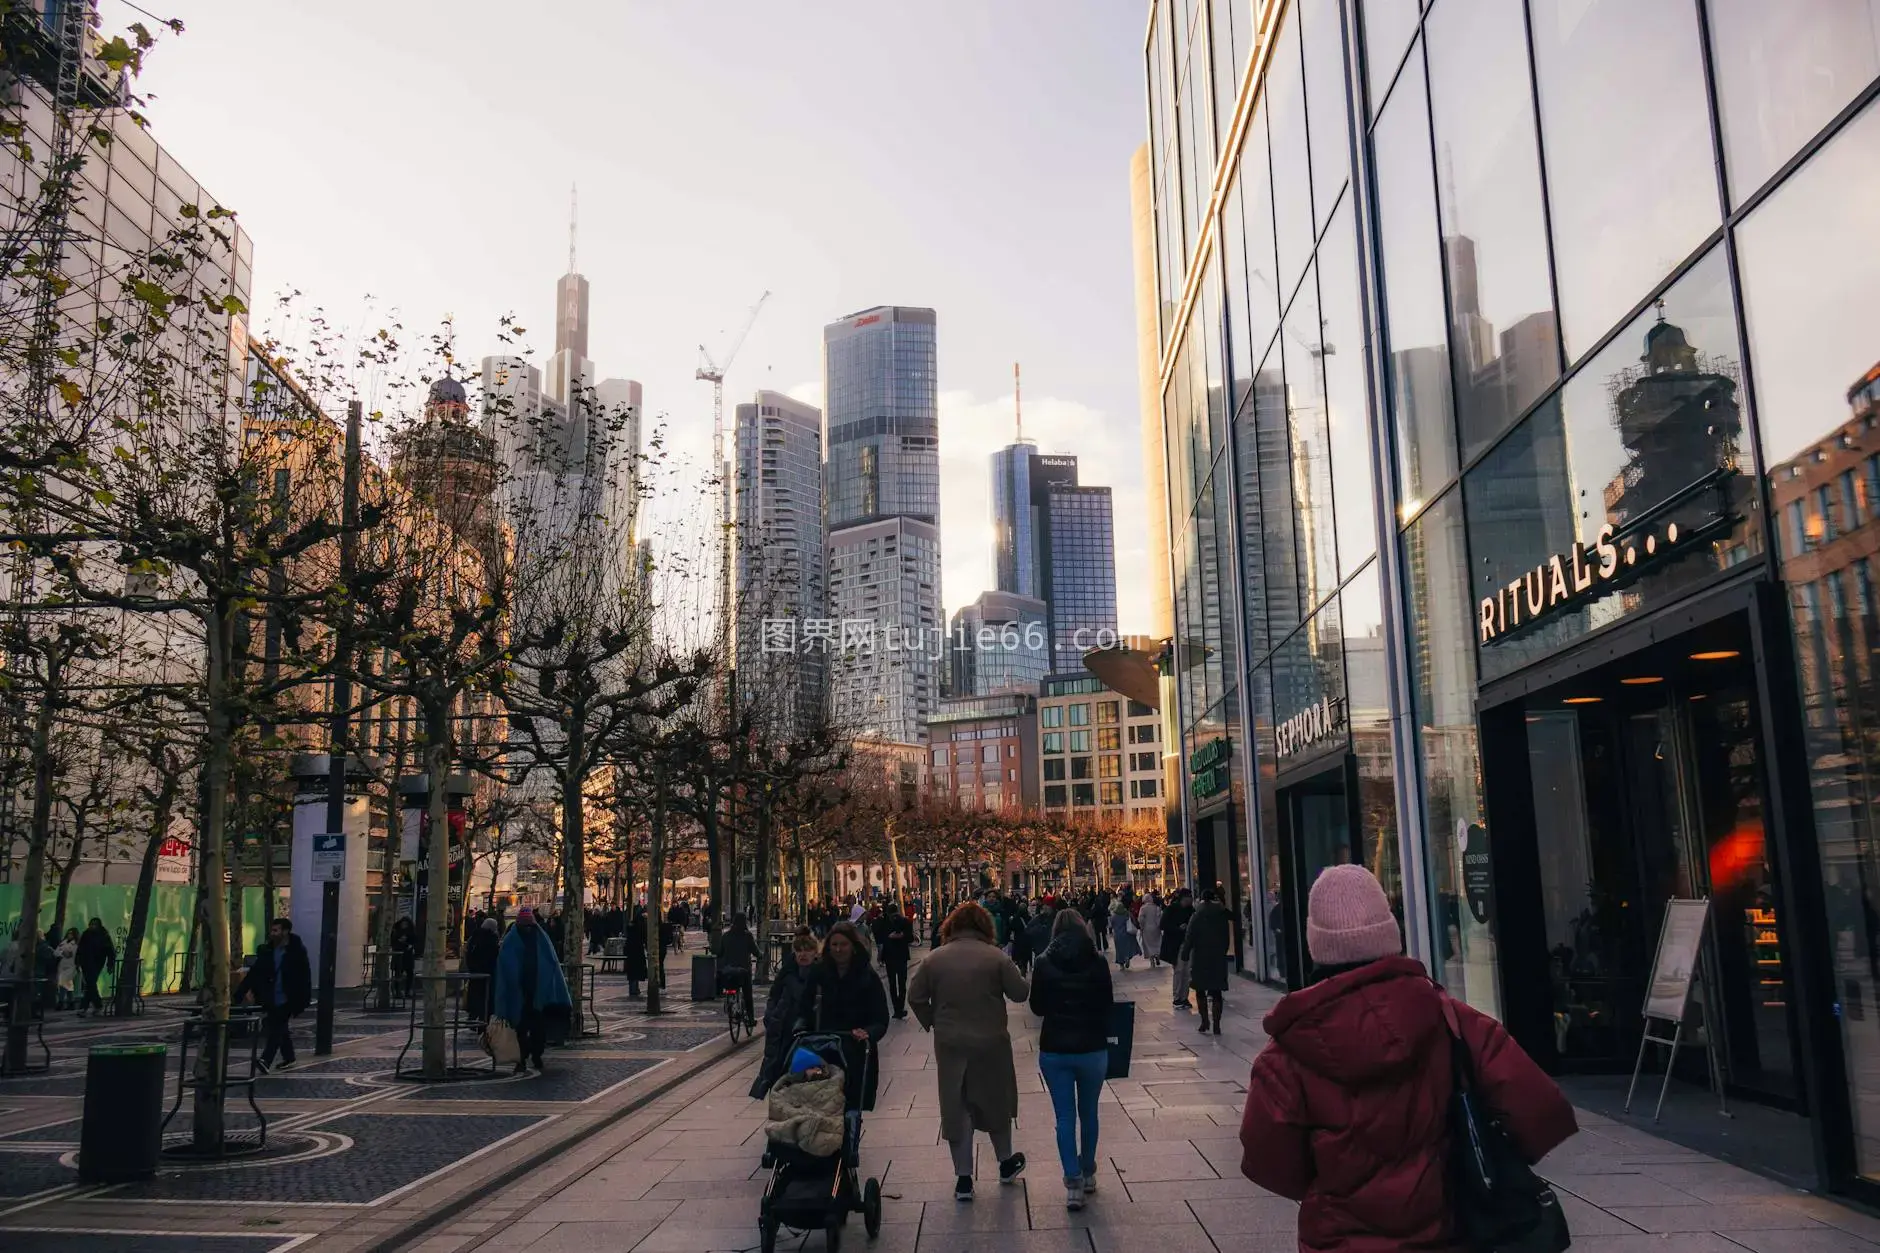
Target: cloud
(1108,451)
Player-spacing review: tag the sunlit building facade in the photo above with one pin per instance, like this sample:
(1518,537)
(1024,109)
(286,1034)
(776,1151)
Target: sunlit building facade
(1516,367)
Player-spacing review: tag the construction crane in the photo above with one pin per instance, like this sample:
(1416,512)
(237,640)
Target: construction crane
(712,370)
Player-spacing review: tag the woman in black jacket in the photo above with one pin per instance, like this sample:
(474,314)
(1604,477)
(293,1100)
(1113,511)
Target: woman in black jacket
(479,958)
(845,996)
(1070,990)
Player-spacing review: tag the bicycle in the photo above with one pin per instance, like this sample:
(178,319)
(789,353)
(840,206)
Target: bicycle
(743,1026)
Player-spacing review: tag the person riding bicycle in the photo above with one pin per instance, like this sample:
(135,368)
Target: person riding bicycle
(737,954)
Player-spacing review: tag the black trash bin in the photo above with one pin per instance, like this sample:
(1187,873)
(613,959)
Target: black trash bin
(122,1135)
(704,977)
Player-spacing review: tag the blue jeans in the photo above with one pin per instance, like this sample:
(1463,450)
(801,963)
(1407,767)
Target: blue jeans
(1075,1081)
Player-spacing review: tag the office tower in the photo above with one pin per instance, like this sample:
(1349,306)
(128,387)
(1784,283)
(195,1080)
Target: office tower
(779,558)
(882,510)
(1054,541)
(999,643)
(1021,479)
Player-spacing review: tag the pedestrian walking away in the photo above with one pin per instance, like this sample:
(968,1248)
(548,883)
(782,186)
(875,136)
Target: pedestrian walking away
(1174,933)
(281,982)
(1122,934)
(1205,947)
(479,958)
(529,986)
(737,958)
(789,992)
(959,993)
(894,942)
(1348,1104)
(1072,993)
(96,954)
(1149,924)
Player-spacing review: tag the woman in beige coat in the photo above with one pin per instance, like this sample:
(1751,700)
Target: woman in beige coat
(959,993)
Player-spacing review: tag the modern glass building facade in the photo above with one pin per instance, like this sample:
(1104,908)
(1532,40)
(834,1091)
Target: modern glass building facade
(999,643)
(779,555)
(1517,367)
(1077,567)
(881,511)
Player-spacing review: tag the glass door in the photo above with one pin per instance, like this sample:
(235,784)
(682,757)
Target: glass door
(1318,834)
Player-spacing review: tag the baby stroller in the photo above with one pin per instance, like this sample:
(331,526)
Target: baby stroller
(808,1193)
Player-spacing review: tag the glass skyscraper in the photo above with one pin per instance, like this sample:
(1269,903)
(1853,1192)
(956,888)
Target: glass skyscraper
(779,558)
(882,510)
(1516,368)
(1055,541)
(999,643)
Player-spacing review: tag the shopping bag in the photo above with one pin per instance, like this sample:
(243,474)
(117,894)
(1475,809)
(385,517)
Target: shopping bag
(499,1041)
(1122,1038)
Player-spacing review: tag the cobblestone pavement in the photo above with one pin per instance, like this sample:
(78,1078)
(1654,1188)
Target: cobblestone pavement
(682,1176)
(350,1147)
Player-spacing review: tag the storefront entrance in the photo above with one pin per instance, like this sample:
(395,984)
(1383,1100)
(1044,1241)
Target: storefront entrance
(1316,831)
(1611,792)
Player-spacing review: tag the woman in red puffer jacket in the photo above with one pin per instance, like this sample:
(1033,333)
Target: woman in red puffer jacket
(1347,1106)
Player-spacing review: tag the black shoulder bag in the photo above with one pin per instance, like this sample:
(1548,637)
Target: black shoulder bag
(1501,1205)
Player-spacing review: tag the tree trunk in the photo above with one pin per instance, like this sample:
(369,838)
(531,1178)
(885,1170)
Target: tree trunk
(20,1022)
(655,910)
(761,883)
(436,870)
(211,859)
(130,968)
(574,873)
(67,869)
(388,882)
(715,872)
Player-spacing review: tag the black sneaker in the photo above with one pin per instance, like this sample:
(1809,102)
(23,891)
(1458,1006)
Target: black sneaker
(1011,1168)
(963,1188)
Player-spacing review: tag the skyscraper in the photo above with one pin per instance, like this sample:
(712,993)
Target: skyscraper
(882,509)
(1054,541)
(779,560)
(999,643)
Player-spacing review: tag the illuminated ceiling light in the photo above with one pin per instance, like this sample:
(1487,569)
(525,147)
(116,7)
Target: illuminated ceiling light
(1701,696)
(1582,700)
(1642,680)
(1720,654)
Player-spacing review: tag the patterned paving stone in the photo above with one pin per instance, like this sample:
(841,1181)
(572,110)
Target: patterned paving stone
(125,1242)
(658,1036)
(388,1152)
(567,1079)
(28,1174)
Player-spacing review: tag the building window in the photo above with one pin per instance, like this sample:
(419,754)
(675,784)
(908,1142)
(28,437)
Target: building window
(1110,793)
(1139,710)
(1109,738)
(1051,716)
(1080,741)
(1080,714)
(1080,767)
(1110,766)
(1054,741)
(1083,793)
(989,752)
(1054,769)
(1824,505)
(939,756)
(1106,711)
(1054,795)
(1144,789)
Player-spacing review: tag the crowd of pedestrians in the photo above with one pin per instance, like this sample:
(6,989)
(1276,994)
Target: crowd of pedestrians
(1349,1105)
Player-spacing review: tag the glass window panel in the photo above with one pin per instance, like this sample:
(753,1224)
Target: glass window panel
(1388,27)
(1271,455)
(1323,36)
(1442,687)
(1226,67)
(1252,535)
(1213,359)
(1311,445)
(1233,247)
(1341,305)
(1309,667)
(1413,294)
(1181,481)
(1257,221)
(1292,169)
(1783,71)
(1209,571)
(1262,869)
(1201,399)
(1501,319)
(1367,694)
(1809,270)
(1656,413)
(1626,132)
(1156,75)
(1220,554)
(1197,145)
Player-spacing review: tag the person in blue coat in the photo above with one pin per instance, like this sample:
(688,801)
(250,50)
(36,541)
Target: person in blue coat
(529,986)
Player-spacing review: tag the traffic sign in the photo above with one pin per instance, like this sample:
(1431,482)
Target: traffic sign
(329,857)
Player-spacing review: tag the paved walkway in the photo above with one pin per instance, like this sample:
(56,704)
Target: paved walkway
(682,1176)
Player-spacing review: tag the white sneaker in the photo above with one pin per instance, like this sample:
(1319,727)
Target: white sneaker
(1073,1195)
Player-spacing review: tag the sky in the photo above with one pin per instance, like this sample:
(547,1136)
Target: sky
(415,156)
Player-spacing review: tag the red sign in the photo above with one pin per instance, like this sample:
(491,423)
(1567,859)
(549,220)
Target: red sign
(173,848)
(869,320)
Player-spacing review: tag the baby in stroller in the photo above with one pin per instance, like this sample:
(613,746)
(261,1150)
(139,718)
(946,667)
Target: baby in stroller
(812,1142)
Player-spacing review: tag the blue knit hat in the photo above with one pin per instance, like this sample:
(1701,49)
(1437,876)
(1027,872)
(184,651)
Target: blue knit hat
(804,1059)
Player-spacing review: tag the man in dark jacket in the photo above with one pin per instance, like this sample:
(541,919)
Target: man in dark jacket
(894,942)
(96,953)
(1174,933)
(1204,952)
(737,958)
(281,983)
(1033,939)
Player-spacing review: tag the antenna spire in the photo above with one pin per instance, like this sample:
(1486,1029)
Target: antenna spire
(1018,405)
(572,193)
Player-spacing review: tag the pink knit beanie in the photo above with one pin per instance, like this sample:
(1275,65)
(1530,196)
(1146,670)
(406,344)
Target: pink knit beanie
(1348,918)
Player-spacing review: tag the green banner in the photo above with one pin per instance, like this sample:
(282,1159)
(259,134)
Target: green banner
(166,934)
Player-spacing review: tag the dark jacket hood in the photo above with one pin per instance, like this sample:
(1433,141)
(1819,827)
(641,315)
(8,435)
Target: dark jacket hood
(1364,1025)
(1073,950)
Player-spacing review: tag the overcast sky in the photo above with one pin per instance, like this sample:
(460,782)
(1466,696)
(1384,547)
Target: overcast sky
(971,155)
